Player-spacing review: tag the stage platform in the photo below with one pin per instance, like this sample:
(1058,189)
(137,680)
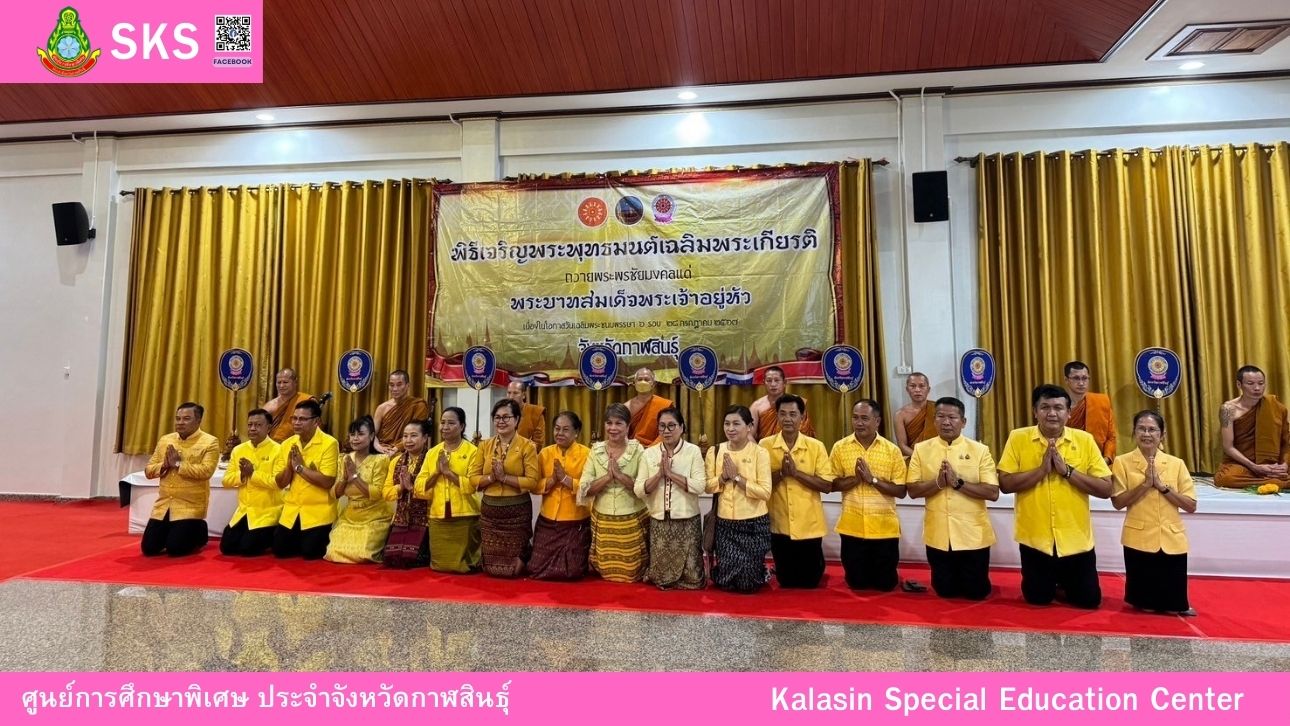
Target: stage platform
(1232,533)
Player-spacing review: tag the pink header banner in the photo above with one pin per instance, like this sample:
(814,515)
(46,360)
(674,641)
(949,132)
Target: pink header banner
(137,41)
(625,699)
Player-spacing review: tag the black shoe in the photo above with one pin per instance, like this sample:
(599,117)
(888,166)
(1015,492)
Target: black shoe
(912,586)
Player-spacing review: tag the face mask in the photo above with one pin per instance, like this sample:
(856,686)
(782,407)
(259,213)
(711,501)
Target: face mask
(644,386)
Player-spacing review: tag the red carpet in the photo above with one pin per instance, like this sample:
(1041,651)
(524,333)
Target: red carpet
(1227,607)
(39,534)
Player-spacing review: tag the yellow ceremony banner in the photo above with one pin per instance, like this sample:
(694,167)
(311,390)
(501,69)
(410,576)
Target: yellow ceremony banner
(745,262)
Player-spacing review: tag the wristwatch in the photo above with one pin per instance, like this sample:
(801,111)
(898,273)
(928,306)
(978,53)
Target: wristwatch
(874,481)
(1069,471)
(299,468)
(958,484)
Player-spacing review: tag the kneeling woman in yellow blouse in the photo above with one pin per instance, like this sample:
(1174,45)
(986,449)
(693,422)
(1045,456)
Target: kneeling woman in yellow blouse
(506,470)
(454,507)
(1153,486)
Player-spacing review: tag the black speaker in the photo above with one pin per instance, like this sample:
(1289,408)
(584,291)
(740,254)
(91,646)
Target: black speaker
(71,224)
(931,196)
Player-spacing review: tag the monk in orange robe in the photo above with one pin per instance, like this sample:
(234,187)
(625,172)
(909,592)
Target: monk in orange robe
(402,409)
(645,408)
(532,424)
(1256,436)
(280,408)
(764,411)
(1090,411)
(916,422)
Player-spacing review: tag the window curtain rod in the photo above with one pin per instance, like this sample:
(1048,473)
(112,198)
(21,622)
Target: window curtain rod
(972,160)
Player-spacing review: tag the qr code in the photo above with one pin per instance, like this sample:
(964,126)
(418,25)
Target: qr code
(232,33)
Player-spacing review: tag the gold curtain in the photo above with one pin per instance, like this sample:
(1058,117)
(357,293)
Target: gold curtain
(863,329)
(1237,202)
(203,278)
(355,267)
(1081,256)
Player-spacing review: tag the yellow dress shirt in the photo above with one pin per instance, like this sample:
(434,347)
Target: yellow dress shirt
(796,509)
(560,503)
(314,506)
(741,502)
(185,492)
(521,461)
(444,495)
(617,499)
(258,499)
(952,520)
(671,500)
(1053,513)
(867,512)
(1152,523)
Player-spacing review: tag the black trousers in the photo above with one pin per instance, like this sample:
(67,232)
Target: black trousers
(296,542)
(798,562)
(1155,580)
(178,538)
(870,564)
(239,540)
(960,573)
(1043,573)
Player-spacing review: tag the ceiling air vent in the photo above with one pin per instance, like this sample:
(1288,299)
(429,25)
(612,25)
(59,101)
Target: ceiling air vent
(1217,39)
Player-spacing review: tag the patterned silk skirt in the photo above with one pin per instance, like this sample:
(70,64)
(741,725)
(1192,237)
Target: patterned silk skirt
(740,550)
(619,552)
(560,549)
(676,553)
(454,544)
(506,525)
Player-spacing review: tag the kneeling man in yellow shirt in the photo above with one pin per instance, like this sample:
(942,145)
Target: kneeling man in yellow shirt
(1053,469)
(185,461)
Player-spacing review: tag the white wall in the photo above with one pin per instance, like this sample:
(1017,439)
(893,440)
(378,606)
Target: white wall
(67,307)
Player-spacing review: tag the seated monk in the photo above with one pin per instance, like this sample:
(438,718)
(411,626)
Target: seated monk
(764,411)
(533,417)
(1090,412)
(916,422)
(645,407)
(1256,436)
(392,416)
(280,408)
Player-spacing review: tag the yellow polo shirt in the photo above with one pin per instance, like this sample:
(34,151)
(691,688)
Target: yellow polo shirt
(258,499)
(1054,513)
(314,506)
(796,509)
(444,495)
(185,492)
(867,512)
(952,520)
(1152,524)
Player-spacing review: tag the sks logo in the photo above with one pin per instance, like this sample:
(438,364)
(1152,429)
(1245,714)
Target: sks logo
(68,54)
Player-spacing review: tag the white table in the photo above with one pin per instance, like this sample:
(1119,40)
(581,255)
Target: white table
(139,493)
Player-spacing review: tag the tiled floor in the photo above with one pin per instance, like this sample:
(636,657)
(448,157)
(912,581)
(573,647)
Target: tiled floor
(74,626)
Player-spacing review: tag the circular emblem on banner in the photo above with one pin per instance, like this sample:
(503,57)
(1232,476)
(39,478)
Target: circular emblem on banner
(1158,372)
(697,367)
(664,207)
(592,212)
(976,372)
(481,366)
(598,365)
(235,369)
(843,368)
(355,370)
(629,210)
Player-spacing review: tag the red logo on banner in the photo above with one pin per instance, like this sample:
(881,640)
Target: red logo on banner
(592,212)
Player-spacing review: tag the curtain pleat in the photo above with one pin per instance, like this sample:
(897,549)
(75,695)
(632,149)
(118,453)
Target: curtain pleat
(1096,255)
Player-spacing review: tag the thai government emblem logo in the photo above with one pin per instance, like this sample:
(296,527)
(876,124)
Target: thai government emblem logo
(1158,371)
(68,53)
(598,364)
(697,366)
(843,368)
(481,366)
